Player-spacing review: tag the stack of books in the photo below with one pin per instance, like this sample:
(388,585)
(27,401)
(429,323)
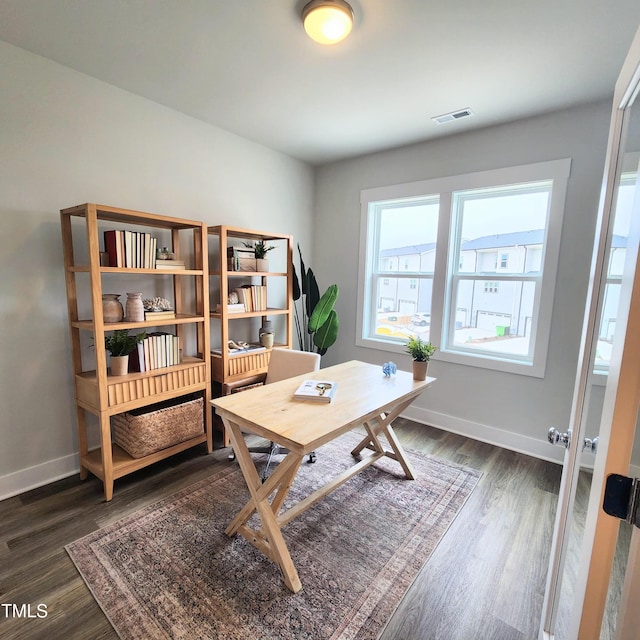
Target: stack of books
(170,264)
(232,351)
(321,391)
(150,316)
(231,308)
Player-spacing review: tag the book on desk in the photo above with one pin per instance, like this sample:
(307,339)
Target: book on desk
(316,391)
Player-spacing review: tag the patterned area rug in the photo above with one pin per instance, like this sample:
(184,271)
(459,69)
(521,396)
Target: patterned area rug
(169,571)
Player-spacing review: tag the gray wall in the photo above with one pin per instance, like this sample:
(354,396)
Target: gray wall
(66,139)
(511,410)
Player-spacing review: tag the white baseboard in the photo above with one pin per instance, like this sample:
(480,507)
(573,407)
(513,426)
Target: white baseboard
(538,448)
(535,447)
(26,479)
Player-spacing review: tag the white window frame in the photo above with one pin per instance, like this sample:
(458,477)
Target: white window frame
(556,170)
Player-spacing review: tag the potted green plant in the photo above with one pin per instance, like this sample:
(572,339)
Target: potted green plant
(260,250)
(421,352)
(120,344)
(317,324)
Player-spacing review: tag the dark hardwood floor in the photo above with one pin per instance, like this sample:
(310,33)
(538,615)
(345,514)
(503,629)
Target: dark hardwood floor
(485,580)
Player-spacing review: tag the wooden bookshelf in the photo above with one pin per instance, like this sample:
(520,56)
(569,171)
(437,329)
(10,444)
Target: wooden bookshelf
(96,391)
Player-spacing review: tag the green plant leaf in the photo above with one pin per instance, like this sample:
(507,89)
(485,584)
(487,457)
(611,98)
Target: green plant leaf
(313,293)
(323,308)
(296,284)
(327,334)
(303,273)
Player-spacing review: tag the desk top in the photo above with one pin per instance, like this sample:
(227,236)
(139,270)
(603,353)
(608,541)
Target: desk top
(362,393)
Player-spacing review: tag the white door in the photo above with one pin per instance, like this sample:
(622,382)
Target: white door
(621,400)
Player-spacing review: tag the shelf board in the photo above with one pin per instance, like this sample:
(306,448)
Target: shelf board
(251,314)
(129,216)
(124,464)
(187,363)
(246,234)
(155,272)
(181,318)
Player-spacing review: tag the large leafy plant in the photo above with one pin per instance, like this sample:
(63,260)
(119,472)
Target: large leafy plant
(317,320)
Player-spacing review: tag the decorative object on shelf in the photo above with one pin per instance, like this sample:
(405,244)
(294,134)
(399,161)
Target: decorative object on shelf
(421,352)
(265,334)
(157,304)
(389,368)
(239,259)
(141,432)
(112,310)
(260,250)
(318,316)
(164,254)
(134,310)
(232,298)
(157,309)
(120,344)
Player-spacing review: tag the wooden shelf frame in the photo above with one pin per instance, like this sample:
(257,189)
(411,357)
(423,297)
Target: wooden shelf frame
(225,368)
(104,395)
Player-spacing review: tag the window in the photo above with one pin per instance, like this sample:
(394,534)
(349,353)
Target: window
(615,265)
(449,235)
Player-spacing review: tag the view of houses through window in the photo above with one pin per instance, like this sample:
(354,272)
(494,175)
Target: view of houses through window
(475,289)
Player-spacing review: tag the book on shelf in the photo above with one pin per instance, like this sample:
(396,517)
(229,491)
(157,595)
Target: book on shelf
(250,348)
(241,259)
(321,391)
(231,308)
(253,296)
(170,264)
(130,249)
(150,316)
(158,350)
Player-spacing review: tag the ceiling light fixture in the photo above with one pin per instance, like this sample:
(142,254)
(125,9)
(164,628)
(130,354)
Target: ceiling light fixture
(327,21)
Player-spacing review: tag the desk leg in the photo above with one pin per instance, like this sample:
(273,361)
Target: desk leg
(269,539)
(371,440)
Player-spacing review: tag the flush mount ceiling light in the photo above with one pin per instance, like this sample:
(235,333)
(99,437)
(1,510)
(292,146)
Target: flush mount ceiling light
(327,21)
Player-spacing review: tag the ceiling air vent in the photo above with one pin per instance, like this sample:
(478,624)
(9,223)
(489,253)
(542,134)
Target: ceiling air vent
(454,115)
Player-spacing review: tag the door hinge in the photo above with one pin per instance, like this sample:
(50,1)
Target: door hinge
(622,498)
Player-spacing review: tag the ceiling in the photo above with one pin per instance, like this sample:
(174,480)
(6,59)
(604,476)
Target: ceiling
(248,67)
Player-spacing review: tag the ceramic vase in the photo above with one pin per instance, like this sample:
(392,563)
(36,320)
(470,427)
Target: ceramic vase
(112,310)
(119,365)
(420,370)
(135,308)
(266,334)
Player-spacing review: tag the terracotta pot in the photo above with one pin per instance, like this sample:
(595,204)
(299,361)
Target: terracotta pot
(119,365)
(420,370)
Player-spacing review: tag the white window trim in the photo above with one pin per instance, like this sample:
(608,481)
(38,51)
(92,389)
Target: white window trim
(558,170)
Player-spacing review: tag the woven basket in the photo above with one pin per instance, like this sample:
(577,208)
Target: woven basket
(151,429)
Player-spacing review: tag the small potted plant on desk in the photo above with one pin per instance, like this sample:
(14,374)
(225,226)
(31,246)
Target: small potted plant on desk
(260,250)
(120,344)
(421,352)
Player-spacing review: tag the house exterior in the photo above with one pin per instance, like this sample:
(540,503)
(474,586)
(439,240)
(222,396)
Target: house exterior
(483,304)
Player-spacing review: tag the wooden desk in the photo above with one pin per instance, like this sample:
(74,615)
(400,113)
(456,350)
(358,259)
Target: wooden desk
(364,397)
